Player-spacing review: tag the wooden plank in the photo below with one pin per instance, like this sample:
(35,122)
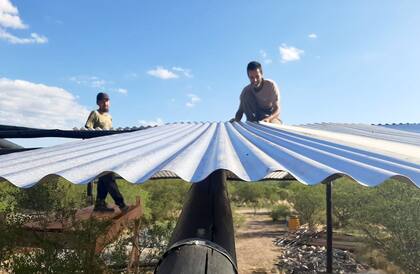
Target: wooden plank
(84,214)
(134,261)
(344,245)
(62,231)
(118,224)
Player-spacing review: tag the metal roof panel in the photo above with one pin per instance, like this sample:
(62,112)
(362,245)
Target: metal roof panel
(310,153)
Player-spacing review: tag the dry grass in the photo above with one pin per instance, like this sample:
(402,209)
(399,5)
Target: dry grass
(377,260)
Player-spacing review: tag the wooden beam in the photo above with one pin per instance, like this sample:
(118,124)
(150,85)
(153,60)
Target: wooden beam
(133,263)
(62,231)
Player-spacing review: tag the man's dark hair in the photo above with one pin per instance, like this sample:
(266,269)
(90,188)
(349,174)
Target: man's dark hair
(253,65)
(101,95)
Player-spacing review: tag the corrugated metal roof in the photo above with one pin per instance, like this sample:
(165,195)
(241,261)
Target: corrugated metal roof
(411,127)
(277,175)
(311,153)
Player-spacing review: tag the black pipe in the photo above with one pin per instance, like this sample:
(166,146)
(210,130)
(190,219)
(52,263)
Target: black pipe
(203,240)
(329,227)
(8,127)
(42,133)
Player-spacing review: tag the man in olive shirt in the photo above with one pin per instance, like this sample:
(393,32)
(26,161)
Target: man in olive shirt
(100,118)
(106,184)
(260,100)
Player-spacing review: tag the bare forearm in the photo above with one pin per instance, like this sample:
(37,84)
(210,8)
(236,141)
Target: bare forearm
(275,114)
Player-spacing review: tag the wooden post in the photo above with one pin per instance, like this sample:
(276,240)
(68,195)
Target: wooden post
(329,228)
(133,264)
(119,222)
(203,240)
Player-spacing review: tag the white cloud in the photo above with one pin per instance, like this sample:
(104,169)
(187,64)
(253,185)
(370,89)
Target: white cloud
(289,54)
(186,72)
(9,16)
(96,83)
(90,81)
(9,19)
(34,39)
(30,104)
(162,73)
(313,36)
(165,74)
(121,90)
(157,122)
(265,57)
(193,100)
(131,75)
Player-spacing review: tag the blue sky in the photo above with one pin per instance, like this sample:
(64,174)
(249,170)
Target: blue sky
(167,61)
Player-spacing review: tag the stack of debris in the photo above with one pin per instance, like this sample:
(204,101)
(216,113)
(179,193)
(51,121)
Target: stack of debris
(299,257)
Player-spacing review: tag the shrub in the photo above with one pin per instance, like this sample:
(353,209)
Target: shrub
(390,217)
(308,202)
(280,212)
(165,198)
(347,196)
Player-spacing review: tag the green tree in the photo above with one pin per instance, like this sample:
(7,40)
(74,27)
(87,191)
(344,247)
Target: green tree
(347,195)
(166,198)
(308,202)
(250,194)
(7,197)
(45,202)
(257,194)
(50,194)
(390,217)
(280,212)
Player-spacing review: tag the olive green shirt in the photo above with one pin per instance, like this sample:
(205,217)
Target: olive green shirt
(99,120)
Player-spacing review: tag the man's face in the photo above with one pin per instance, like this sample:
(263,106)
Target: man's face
(255,77)
(104,105)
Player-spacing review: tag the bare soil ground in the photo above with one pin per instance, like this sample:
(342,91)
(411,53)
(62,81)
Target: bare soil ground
(255,250)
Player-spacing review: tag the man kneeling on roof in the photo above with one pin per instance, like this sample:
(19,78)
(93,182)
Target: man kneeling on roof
(106,184)
(260,100)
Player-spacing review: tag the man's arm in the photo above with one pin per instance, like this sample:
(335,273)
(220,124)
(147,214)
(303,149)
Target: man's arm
(275,116)
(91,120)
(239,112)
(238,115)
(276,112)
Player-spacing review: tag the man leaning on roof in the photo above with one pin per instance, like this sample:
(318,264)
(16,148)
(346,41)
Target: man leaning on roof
(260,100)
(106,184)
